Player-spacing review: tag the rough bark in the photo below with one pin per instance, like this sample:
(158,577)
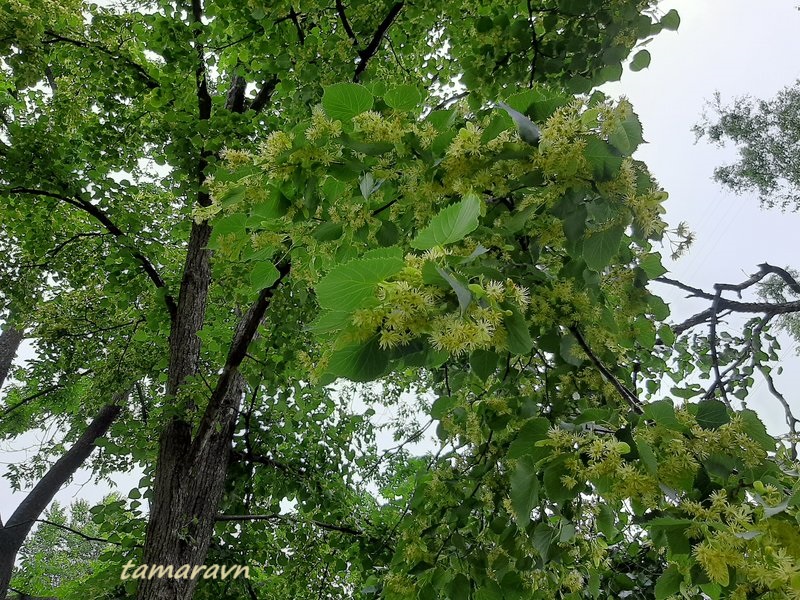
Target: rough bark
(10,340)
(21,521)
(180,529)
(191,473)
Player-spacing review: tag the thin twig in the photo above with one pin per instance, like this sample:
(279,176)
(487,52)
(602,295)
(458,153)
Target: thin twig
(623,391)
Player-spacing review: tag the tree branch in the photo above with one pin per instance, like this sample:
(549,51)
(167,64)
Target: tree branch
(23,596)
(45,490)
(147,79)
(783,274)
(345,23)
(712,342)
(293,14)
(264,95)
(623,391)
(34,396)
(85,536)
(111,227)
(374,44)
(280,517)
(238,349)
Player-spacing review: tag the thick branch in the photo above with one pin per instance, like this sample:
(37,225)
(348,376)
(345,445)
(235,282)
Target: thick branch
(238,349)
(783,274)
(767,308)
(44,491)
(374,44)
(264,95)
(293,15)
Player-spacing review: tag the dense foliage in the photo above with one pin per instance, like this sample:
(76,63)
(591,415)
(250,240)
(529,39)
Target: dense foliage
(214,214)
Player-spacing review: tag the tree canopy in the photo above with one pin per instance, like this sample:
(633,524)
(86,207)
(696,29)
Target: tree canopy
(238,232)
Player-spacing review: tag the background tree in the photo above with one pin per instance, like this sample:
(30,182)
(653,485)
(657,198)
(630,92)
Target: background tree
(55,555)
(766,134)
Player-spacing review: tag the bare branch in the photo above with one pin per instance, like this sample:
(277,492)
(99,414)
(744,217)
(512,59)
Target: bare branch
(783,274)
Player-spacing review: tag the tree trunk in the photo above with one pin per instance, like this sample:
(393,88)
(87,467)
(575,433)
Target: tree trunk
(184,509)
(20,523)
(190,473)
(10,340)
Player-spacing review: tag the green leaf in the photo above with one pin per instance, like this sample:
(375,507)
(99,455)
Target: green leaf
(513,586)
(606,521)
(671,20)
(483,363)
(711,414)
(756,430)
(490,590)
(543,540)
(459,587)
(344,101)
(641,60)
(628,134)
(347,286)
(532,431)
(556,491)
(459,287)
(519,337)
(524,490)
(327,232)
(233,196)
(604,159)
(651,264)
(330,321)
(601,247)
(263,275)
(442,405)
(360,362)
(669,583)
(451,224)
(663,413)
(404,97)
(231,224)
(647,456)
(527,129)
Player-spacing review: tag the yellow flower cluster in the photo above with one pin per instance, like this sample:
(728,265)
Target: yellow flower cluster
(322,126)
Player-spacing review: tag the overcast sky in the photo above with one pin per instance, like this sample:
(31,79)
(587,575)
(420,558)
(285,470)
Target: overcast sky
(735,47)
